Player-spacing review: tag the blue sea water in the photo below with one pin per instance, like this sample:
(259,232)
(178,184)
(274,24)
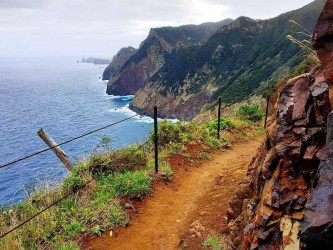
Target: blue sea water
(65,98)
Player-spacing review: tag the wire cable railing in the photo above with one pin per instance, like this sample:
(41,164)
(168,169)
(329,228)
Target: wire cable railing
(155,138)
(45,209)
(65,142)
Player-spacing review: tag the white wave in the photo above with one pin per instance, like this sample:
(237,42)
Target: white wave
(142,118)
(173,120)
(119,97)
(103,81)
(125,110)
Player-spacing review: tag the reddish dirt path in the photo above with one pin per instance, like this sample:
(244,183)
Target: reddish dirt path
(182,213)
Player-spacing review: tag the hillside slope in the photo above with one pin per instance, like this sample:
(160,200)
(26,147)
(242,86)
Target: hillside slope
(232,64)
(118,61)
(152,53)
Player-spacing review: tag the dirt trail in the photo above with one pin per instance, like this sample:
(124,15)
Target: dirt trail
(185,211)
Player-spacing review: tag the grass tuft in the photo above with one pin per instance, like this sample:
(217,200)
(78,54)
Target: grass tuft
(215,242)
(132,184)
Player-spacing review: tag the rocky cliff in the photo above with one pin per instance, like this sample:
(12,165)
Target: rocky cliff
(287,200)
(151,55)
(118,61)
(232,64)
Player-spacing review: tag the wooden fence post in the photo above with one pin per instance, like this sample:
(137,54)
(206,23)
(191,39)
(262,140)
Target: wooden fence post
(219,119)
(266,115)
(156,139)
(57,150)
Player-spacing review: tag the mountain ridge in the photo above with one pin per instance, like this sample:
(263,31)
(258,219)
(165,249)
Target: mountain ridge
(150,56)
(235,62)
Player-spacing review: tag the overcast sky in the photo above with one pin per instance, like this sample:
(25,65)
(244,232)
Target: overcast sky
(102,27)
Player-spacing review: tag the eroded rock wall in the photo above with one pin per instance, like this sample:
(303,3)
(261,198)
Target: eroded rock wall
(287,201)
(282,180)
(317,227)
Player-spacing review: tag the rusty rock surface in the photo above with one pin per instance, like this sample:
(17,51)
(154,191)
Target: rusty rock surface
(287,199)
(281,176)
(317,227)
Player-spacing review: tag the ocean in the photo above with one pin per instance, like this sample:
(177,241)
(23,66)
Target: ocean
(66,99)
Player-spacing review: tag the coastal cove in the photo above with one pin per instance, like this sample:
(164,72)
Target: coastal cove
(65,98)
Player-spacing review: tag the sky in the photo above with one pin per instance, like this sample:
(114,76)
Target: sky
(101,27)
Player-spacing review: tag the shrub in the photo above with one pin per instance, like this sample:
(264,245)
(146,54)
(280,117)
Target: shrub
(127,159)
(212,141)
(213,125)
(173,133)
(168,133)
(250,112)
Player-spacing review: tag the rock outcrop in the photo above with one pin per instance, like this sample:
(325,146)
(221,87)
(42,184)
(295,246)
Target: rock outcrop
(143,65)
(118,61)
(287,200)
(284,172)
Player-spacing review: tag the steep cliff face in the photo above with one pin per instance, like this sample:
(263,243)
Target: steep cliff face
(232,64)
(141,66)
(151,55)
(286,202)
(118,61)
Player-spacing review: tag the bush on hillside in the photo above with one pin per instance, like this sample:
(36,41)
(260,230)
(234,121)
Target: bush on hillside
(173,133)
(251,112)
(126,159)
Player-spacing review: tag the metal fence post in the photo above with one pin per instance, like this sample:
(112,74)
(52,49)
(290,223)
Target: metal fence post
(267,104)
(156,139)
(219,119)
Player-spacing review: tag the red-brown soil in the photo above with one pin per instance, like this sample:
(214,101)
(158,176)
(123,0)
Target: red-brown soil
(182,213)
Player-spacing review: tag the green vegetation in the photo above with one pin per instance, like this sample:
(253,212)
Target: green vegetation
(117,177)
(132,184)
(215,243)
(250,112)
(248,58)
(93,209)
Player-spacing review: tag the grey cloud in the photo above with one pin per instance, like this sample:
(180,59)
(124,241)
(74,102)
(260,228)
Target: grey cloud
(102,27)
(22,4)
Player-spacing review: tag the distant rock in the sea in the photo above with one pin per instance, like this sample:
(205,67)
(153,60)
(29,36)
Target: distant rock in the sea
(96,60)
